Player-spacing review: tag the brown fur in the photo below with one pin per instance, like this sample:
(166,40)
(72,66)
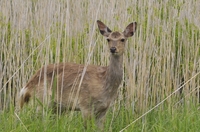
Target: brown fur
(61,84)
(116,35)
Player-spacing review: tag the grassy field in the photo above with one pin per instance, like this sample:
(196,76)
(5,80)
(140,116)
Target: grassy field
(161,82)
(185,118)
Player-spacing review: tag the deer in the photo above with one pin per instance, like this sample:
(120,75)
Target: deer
(62,85)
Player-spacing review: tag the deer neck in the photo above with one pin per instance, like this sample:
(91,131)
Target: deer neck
(114,74)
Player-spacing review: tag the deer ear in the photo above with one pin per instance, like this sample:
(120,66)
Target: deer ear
(104,30)
(130,29)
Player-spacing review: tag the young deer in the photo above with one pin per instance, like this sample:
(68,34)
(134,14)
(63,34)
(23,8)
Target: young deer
(61,84)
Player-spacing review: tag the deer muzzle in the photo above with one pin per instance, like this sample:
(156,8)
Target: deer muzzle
(113,49)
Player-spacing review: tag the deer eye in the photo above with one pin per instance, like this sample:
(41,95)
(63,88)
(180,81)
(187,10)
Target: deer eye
(122,40)
(108,40)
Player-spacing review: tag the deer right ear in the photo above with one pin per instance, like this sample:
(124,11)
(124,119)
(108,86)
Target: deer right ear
(104,30)
(130,29)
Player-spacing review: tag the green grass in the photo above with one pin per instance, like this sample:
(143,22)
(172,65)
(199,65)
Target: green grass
(182,118)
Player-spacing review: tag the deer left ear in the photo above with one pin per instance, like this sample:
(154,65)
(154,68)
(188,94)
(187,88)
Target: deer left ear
(130,29)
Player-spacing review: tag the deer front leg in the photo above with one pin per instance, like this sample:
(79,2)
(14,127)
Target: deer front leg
(100,119)
(87,116)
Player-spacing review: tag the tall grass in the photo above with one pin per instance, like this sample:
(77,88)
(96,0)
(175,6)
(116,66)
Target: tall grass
(160,59)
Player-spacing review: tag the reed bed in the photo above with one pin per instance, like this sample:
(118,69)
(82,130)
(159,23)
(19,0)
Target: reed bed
(161,62)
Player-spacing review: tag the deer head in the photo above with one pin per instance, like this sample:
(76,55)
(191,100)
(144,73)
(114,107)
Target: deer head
(117,40)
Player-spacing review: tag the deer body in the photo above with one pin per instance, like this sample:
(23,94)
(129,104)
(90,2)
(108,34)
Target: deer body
(61,85)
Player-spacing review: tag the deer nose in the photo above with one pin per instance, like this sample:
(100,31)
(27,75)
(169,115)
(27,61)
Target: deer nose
(112,49)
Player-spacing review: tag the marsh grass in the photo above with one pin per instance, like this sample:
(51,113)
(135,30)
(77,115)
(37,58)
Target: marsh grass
(163,119)
(160,59)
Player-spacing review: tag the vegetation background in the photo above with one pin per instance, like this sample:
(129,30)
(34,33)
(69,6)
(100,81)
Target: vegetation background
(160,88)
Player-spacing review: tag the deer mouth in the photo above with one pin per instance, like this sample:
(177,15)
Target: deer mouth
(114,53)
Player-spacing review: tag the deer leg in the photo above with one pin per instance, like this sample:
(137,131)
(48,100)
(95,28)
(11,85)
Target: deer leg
(87,116)
(100,118)
(43,99)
